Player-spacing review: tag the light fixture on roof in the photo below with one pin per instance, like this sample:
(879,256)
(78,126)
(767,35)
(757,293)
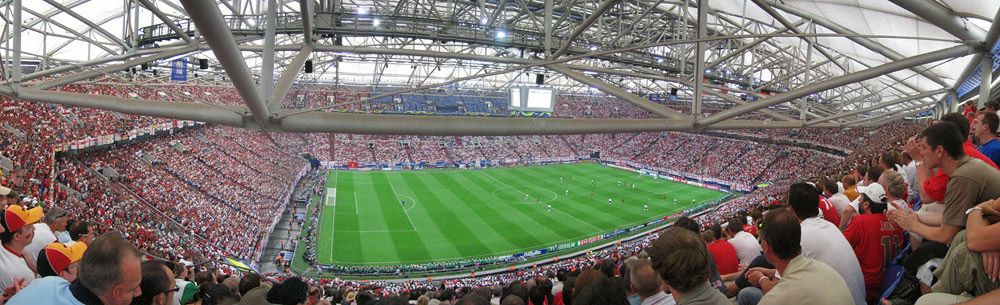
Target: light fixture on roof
(659,59)
(501,34)
(484,20)
(376,22)
(362,10)
(593,48)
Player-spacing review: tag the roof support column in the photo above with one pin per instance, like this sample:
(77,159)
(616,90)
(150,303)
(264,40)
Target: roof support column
(809,53)
(985,80)
(208,20)
(547,22)
(699,59)
(954,101)
(267,64)
(16,73)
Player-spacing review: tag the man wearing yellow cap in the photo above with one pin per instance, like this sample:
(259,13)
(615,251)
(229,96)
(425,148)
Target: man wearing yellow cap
(18,233)
(60,260)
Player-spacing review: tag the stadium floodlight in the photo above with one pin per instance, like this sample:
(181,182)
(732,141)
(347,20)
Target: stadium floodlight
(501,34)
(593,48)
(362,10)
(376,22)
(484,20)
(659,60)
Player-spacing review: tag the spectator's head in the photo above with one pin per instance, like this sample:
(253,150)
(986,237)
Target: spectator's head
(513,300)
(873,199)
(203,277)
(873,174)
(290,292)
(606,291)
(735,226)
(985,125)
(687,223)
(219,294)
(111,269)
(907,158)
(993,105)
(60,260)
(17,226)
(585,278)
(56,218)
(536,295)
(158,286)
(829,187)
(82,231)
(680,258)
(859,172)
(644,279)
(180,270)
(708,236)
(803,199)
(895,186)
(941,142)
(961,122)
(470,300)
(889,160)
(606,266)
(11,195)
(848,181)
(781,236)
(567,293)
(233,282)
(626,268)
(717,230)
(249,281)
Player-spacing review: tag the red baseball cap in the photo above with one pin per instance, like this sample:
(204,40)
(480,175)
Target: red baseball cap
(16,217)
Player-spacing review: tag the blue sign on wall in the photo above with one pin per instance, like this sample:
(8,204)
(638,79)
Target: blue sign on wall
(178,69)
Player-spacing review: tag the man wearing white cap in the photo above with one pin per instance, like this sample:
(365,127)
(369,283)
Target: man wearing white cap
(871,232)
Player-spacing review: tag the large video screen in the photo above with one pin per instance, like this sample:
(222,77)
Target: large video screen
(532,99)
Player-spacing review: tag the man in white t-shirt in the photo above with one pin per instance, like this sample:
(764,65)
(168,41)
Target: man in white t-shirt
(45,233)
(910,177)
(18,233)
(834,196)
(747,247)
(822,241)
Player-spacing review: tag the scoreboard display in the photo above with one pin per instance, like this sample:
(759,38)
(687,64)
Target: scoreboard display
(532,99)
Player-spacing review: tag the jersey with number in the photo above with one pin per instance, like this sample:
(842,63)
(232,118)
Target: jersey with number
(829,211)
(875,240)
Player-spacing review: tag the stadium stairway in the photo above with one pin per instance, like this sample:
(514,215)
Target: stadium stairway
(571,147)
(645,149)
(282,239)
(766,169)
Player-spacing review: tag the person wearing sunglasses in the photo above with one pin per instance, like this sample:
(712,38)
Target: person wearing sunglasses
(158,286)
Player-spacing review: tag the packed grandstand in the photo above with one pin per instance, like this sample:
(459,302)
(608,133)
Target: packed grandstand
(198,193)
(822,151)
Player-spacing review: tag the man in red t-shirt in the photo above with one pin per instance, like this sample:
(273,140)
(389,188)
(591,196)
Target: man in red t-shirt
(875,239)
(934,185)
(722,251)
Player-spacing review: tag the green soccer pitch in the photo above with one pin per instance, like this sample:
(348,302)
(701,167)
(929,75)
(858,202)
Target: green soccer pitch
(452,215)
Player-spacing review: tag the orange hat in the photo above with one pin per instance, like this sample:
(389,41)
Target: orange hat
(16,217)
(56,257)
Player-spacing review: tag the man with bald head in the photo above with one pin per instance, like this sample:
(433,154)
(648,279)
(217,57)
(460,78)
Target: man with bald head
(646,283)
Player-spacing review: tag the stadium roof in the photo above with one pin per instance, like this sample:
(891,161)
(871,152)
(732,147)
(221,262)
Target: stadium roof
(847,63)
